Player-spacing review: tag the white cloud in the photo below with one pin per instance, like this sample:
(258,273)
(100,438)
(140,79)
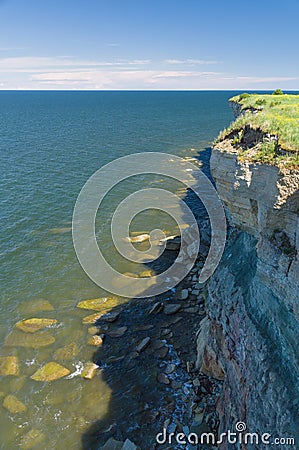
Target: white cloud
(190,62)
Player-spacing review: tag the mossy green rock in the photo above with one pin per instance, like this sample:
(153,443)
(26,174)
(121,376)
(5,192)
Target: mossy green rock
(92,318)
(99,304)
(34,306)
(9,365)
(67,352)
(18,339)
(34,324)
(13,405)
(95,340)
(31,439)
(50,372)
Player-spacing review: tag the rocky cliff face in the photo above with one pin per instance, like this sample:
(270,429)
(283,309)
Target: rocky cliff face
(250,335)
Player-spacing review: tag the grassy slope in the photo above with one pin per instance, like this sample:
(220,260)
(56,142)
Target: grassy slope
(277,116)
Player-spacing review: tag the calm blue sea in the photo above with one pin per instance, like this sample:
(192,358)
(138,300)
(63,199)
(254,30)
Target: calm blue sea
(50,144)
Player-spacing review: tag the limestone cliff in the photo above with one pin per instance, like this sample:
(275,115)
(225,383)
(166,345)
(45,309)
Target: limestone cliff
(250,335)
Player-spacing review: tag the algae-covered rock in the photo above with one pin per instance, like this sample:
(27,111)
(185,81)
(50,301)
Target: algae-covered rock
(90,370)
(92,318)
(13,405)
(17,383)
(34,306)
(99,304)
(9,365)
(95,340)
(92,330)
(146,274)
(34,324)
(31,439)
(18,339)
(110,316)
(67,352)
(50,372)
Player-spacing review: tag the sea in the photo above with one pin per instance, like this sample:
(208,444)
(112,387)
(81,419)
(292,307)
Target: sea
(51,143)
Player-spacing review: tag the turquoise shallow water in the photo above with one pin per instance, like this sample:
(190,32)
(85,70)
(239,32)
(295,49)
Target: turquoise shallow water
(50,144)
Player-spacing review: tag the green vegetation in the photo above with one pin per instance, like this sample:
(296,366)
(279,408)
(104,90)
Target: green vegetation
(267,130)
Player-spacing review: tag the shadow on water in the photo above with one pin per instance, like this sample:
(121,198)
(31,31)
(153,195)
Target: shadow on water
(139,404)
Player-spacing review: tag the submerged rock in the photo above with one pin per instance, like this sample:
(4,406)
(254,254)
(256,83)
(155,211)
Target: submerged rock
(156,308)
(92,330)
(118,332)
(99,304)
(34,324)
(31,439)
(172,308)
(138,239)
(18,339)
(34,306)
(184,294)
(143,344)
(163,379)
(112,444)
(95,340)
(50,372)
(147,274)
(110,316)
(67,352)
(13,405)
(90,370)
(9,365)
(129,445)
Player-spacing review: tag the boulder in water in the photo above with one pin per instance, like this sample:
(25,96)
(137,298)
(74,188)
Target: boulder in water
(18,339)
(69,351)
(99,304)
(9,365)
(34,324)
(50,372)
(13,405)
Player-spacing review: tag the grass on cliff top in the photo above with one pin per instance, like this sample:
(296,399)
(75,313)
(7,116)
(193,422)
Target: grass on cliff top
(277,117)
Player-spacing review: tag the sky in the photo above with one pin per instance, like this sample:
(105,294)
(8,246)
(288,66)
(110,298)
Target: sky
(149,44)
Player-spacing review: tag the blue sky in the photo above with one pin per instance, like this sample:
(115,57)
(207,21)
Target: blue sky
(149,44)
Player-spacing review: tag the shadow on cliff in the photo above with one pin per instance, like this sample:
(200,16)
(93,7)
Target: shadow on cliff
(139,405)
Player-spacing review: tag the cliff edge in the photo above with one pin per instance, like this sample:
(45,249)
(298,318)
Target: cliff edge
(250,335)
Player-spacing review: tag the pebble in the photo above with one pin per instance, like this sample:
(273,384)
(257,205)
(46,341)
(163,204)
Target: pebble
(184,294)
(156,308)
(170,368)
(162,352)
(163,379)
(172,308)
(95,340)
(118,332)
(143,344)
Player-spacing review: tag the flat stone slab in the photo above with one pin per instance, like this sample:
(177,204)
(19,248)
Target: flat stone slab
(13,405)
(50,372)
(99,304)
(90,371)
(92,318)
(118,332)
(34,324)
(69,351)
(34,306)
(18,339)
(9,365)
(95,340)
(33,438)
(143,344)
(172,308)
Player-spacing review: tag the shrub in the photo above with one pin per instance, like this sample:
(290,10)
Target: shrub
(244,95)
(277,92)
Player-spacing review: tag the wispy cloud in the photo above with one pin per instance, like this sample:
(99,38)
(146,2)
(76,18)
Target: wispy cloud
(190,62)
(67,72)
(33,63)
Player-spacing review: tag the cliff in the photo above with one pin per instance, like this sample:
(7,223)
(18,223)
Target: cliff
(250,335)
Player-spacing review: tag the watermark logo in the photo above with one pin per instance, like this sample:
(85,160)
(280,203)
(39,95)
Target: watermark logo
(89,201)
(237,436)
